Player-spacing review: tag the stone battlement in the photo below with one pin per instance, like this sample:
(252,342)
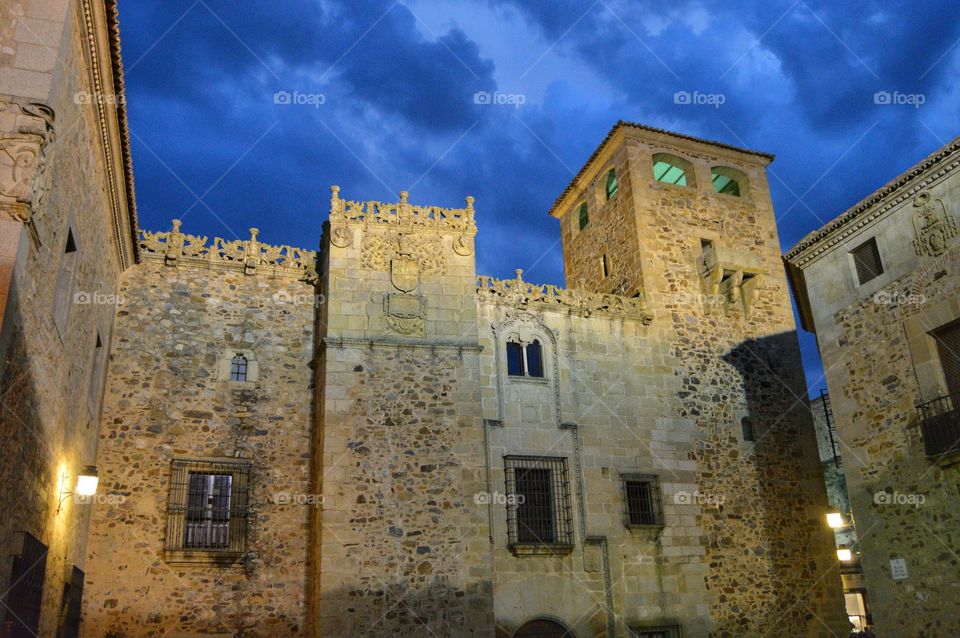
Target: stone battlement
(521,293)
(401,213)
(250,256)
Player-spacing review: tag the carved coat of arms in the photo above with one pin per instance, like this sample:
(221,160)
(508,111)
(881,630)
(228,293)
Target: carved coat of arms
(404,274)
(934,226)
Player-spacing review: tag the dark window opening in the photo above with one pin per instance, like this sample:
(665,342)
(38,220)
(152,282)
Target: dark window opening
(535,359)
(515,359)
(866,257)
(948,346)
(584,217)
(664,631)
(71,605)
(746,426)
(538,504)
(24,599)
(605,264)
(642,492)
(238,368)
(612,185)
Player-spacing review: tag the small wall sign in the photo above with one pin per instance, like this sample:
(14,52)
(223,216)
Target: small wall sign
(898,568)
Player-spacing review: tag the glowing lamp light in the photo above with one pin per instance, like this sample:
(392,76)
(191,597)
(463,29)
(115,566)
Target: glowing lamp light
(844,554)
(835,520)
(87,481)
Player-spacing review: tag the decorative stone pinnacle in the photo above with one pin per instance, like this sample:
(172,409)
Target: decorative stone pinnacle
(470,201)
(253,233)
(404,195)
(176,225)
(519,273)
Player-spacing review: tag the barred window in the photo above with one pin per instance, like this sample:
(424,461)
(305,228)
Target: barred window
(238,368)
(538,501)
(24,599)
(642,497)
(866,257)
(525,360)
(207,510)
(663,631)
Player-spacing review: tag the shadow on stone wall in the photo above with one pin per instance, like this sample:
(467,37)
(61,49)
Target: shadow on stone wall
(795,549)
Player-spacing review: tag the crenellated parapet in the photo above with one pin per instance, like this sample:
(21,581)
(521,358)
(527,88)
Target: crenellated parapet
(522,294)
(402,214)
(249,256)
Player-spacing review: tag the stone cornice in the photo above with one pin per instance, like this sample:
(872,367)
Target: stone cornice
(102,38)
(921,176)
(353,342)
(521,294)
(248,256)
(401,214)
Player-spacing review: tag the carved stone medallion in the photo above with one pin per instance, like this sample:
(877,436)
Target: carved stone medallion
(463,245)
(341,237)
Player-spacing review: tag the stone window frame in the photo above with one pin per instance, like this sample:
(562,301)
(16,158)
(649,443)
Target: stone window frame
(656,498)
(65,284)
(525,326)
(225,367)
(870,242)
(919,329)
(561,505)
(525,360)
(175,511)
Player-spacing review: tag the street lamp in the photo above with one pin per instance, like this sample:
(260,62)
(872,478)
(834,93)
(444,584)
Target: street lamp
(835,520)
(844,554)
(86,485)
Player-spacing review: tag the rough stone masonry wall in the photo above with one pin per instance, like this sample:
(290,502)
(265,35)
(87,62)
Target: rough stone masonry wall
(767,546)
(47,429)
(906,506)
(166,401)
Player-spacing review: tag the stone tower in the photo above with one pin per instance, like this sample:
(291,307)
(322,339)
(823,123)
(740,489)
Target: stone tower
(399,427)
(688,225)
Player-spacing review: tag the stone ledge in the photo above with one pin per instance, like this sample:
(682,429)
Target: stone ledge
(202,558)
(534,549)
(353,342)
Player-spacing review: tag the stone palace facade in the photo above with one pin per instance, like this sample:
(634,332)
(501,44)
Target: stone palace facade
(374,440)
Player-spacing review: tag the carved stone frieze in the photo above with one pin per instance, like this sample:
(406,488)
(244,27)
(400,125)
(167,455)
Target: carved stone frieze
(379,249)
(250,256)
(402,213)
(522,294)
(934,226)
(26,136)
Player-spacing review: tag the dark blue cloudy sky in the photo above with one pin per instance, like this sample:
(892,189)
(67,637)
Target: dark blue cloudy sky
(398,79)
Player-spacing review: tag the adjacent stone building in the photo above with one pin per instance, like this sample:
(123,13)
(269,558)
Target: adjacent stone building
(67,231)
(374,440)
(878,285)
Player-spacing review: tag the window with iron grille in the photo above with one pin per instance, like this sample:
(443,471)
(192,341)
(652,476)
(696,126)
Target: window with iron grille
(538,501)
(866,257)
(207,510)
(23,600)
(641,493)
(238,368)
(948,346)
(663,631)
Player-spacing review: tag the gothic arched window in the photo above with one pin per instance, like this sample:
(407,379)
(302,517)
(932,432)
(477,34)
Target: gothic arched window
(728,181)
(525,360)
(671,169)
(238,368)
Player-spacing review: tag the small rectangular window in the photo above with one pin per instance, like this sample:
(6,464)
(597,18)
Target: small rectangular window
(866,257)
(643,503)
(238,368)
(515,359)
(538,503)
(207,509)
(583,215)
(746,427)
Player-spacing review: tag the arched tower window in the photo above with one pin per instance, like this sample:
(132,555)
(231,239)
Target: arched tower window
(583,215)
(238,368)
(612,184)
(728,181)
(671,169)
